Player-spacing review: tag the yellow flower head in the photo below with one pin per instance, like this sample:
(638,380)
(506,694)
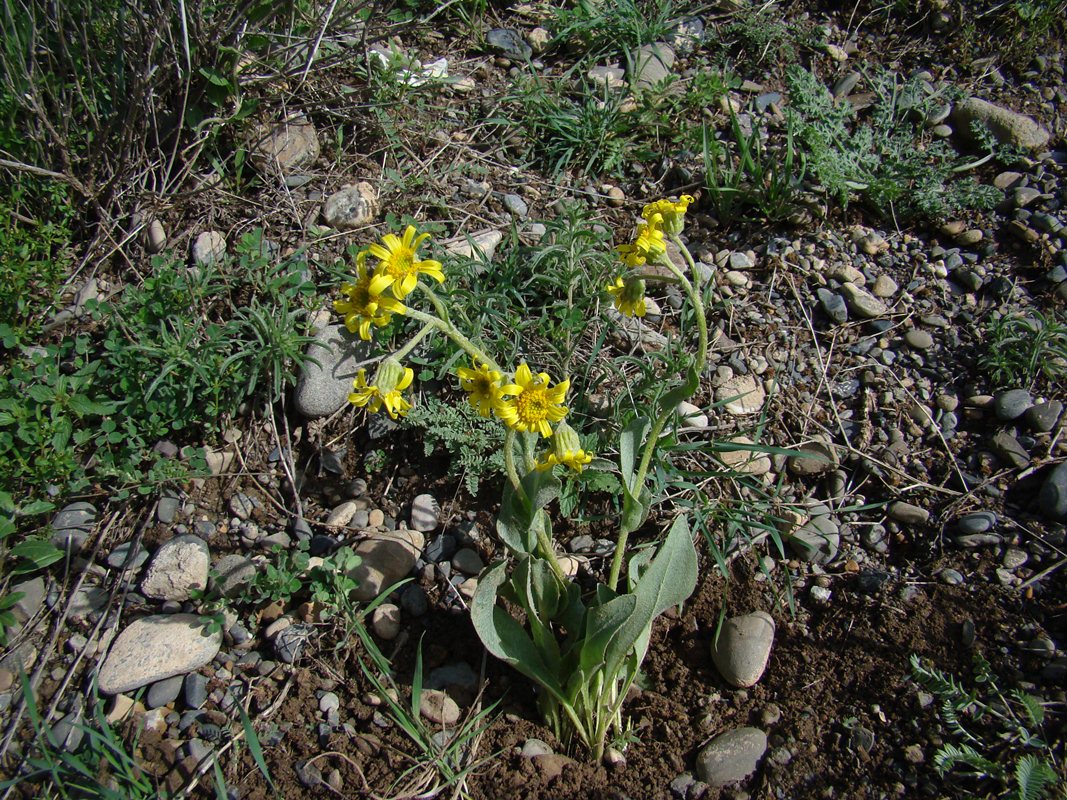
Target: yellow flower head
(566,450)
(482,386)
(667,214)
(649,241)
(398,264)
(361,307)
(391,379)
(628,296)
(532,403)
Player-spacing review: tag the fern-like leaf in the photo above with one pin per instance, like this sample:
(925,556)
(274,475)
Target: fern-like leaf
(1033,777)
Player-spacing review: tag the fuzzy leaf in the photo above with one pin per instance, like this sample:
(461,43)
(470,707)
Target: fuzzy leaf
(630,441)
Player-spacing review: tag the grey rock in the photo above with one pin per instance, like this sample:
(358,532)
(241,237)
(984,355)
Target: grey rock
(740,260)
(1014,558)
(862,303)
(309,775)
(741,395)
(652,64)
(194,690)
(155,237)
(288,147)
(976,522)
(973,540)
(535,747)
(209,248)
(1043,416)
(458,679)
(72,526)
(68,731)
(351,206)
(438,707)
(242,506)
(951,576)
(198,750)
(817,540)
(907,514)
(385,621)
(233,573)
(919,339)
(165,691)
(846,83)
(168,506)
(1009,450)
(289,642)
(509,43)
(743,648)
(414,601)
(611,77)
(468,561)
(157,647)
(179,567)
(324,387)
(691,416)
(329,702)
(813,458)
(515,205)
(1052,497)
(834,305)
(731,756)
(1007,126)
(87,602)
(1024,196)
(31,601)
(1012,404)
(386,559)
(425,512)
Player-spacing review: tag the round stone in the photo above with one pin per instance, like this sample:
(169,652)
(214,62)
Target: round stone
(1011,404)
(731,756)
(438,707)
(386,621)
(179,568)
(918,339)
(157,647)
(976,522)
(743,648)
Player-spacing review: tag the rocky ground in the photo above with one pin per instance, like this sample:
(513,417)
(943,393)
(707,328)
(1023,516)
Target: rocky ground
(920,499)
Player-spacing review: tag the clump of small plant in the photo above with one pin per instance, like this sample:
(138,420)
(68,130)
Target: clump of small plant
(762,34)
(619,28)
(1021,348)
(885,161)
(472,442)
(291,572)
(999,738)
(583,649)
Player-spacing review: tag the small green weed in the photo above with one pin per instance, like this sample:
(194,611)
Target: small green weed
(1019,349)
(887,161)
(762,34)
(472,442)
(999,737)
(601,29)
(290,574)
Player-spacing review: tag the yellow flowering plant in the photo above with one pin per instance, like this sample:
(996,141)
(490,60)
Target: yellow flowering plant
(584,649)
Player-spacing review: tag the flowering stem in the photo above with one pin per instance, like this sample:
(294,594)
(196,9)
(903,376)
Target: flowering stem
(438,306)
(667,413)
(449,330)
(509,460)
(418,337)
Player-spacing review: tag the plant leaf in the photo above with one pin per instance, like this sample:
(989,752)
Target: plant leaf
(630,440)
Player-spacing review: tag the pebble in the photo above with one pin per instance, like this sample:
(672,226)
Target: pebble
(289,642)
(386,559)
(208,248)
(1014,558)
(884,286)
(164,692)
(438,707)
(194,690)
(1009,450)
(741,395)
(425,513)
(813,458)
(976,522)
(385,621)
(179,568)
(731,756)
(33,595)
(1007,126)
(414,601)
(72,526)
(157,647)
(862,303)
(745,458)
(973,540)
(907,514)
(691,416)
(352,206)
(329,702)
(1052,498)
(1043,417)
(468,561)
(951,577)
(918,339)
(816,540)
(288,147)
(743,648)
(833,304)
(116,559)
(515,206)
(1011,404)
(509,43)
(326,381)
(233,573)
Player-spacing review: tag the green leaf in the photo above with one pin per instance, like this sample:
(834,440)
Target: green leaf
(630,440)
(254,747)
(518,512)
(38,552)
(634,509)
(668,581)
(80,404)
(671,400)
(36,507)
(41,393)
(604,622)
(504,637)
(1033,776)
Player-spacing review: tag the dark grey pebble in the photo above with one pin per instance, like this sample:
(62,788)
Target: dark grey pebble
(165,691)
(1053,495)
(973,540)
(1012,404)
(414,601)
(976,522)
(1009,450)
(509,43)
(1043,416)
(289,642)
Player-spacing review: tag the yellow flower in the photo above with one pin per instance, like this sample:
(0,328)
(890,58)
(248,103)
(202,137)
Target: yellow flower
(667,214)
(649,241)
(391,379)
(532,403)
(398,264)
(566,450)
(362,307)
(628,296)
(482,386)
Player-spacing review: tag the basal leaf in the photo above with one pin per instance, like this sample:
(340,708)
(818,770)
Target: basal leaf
(630,441)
